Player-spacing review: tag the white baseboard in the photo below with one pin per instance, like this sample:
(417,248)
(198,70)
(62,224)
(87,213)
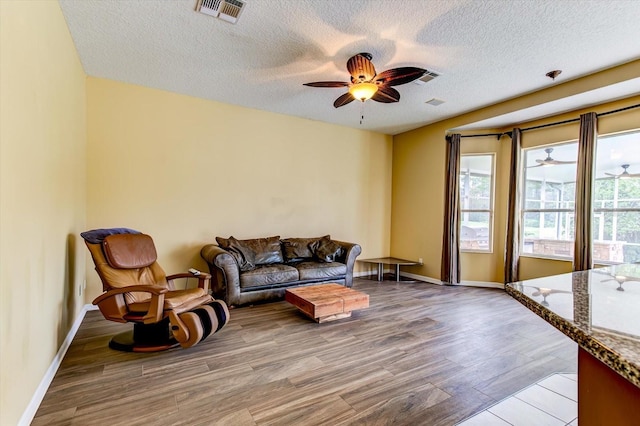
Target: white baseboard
(420,278)
(483,284)
(41,390)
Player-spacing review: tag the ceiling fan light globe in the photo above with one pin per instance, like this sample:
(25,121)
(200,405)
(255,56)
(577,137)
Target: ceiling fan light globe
(363,91)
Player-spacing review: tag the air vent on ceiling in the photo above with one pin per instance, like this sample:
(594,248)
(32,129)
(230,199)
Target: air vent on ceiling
(227,10)
(427,77)
(435,102)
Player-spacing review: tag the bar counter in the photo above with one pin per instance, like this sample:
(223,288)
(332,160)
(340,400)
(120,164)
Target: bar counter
(600,310)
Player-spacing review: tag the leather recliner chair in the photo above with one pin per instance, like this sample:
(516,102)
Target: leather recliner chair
(137,290)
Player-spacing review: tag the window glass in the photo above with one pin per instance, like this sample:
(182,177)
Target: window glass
(476,201)
(549,202)
(616,203)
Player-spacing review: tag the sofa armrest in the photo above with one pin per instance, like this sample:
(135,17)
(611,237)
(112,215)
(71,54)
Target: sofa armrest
(352,251)
(225,272)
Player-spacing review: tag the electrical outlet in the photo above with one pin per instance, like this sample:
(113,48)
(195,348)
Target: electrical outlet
(420,261)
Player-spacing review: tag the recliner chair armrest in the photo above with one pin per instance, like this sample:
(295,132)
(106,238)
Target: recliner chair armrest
(203,278)
(153,289)
(156,304)
(352,251)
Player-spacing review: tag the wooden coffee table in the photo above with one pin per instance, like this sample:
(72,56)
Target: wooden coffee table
(326,302)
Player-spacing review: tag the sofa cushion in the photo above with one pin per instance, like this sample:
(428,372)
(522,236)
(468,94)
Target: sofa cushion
(296,249)
(326,250)
(265,250)
(242,254)
(268,275)
(321,270)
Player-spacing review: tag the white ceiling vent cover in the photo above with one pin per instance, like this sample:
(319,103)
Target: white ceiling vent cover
(227,10)
(427,77)
(434,102)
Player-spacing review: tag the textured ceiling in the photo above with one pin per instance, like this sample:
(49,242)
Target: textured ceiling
(485,51)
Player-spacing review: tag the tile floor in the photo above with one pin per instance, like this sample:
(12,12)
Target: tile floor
(552,401)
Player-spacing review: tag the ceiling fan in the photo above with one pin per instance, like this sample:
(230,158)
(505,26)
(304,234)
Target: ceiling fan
(550,161)
(366,84)
(624,174)
(546,292)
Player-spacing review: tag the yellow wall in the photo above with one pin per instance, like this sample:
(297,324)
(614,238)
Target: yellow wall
(419,176)
(186,170)
(42,195)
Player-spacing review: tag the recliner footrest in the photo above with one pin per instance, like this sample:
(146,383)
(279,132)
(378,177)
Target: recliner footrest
(190,328)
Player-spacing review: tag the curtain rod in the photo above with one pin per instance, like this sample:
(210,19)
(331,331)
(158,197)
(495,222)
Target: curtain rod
(619,110)
(479,136)
(557,123)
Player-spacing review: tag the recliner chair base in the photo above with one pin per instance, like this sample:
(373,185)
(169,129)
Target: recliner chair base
(189,328)
(145,338)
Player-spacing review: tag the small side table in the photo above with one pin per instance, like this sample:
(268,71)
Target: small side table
(381,261)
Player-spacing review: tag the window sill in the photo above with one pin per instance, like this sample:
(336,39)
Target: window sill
(596,263)
(547,257)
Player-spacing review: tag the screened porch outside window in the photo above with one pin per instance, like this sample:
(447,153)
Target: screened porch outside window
(548,208)
(476,202)
(549,190)
(616,206)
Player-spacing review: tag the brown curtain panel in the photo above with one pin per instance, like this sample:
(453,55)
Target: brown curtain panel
(512,240)
(583,250)
(450,273)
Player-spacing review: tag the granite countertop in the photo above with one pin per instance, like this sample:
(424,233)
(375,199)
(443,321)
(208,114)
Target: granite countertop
(599,309)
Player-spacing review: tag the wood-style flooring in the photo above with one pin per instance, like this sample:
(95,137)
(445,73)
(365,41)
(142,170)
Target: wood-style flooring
(421,354)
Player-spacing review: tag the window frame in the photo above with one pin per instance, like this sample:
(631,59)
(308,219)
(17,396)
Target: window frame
(490,210)
(613,210)
(569,212)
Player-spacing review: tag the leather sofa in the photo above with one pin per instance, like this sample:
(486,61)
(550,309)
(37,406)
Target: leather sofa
(260,270)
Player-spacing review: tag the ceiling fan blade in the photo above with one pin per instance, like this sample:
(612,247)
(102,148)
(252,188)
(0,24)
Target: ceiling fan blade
(625,173)
(327,84)
(558,162)
(549,161)
(539,165)
(361,68)
(398,76)
(386,95)
(343,100)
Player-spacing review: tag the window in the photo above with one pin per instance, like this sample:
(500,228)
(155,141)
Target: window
(549,195)
(616,202)
(476,202)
